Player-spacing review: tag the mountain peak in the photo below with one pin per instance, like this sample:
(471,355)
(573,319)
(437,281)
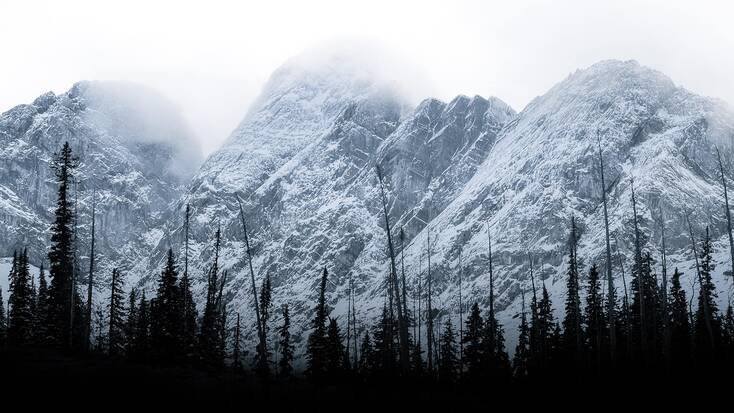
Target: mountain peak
(619,75)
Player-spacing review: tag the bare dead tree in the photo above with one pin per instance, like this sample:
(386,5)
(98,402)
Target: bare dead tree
(90,278)
(461,320)
(625,303)
(429,304)
(640,275)
(666,329)
(728,211)
(258,320)
(610,281)
(492,326)
(402,270)
(706,309)
(402,326)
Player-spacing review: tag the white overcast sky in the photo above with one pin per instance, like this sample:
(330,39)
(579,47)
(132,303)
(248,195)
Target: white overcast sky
(212,57)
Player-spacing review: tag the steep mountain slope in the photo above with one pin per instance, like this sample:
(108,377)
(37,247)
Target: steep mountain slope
(545,168)
(312,201)
(133,148)
(303,162)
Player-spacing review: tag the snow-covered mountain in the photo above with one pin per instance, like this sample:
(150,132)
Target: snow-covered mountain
(133,148)
(304,158)
(303,161)
(544,168)
(454,168)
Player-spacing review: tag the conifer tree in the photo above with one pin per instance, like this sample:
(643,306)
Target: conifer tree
(572,339)
(623,313)
(316,347)
(404,345)
(504,365)
(189,313)
(611,294)
(644,288)
(448,362)
(20,316)
(521,360)
(367,356)
(116,335)
(211,336)
(537,351)
(555,348)
(680,328)
(33,304)
(166,324)
(3,325)
(285,364)
(472,340)
(727,335)
(594,318)
(416,360)
(141,345)
(663,309)
(728,211)
(100,340)
(62,295)
(707,329)
(494,357)
(265,308)
(334,350)
(236,356)
(40,330)
(548,341)
(429,305)
(131,322)
(385,356)
(90,281)
(640,280)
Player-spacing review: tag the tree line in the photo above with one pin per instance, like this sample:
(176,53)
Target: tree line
(652,325)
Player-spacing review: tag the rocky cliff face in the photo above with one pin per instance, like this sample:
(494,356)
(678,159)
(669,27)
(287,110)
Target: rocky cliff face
(544,169)
(312,201)
(134,152)
(304,159)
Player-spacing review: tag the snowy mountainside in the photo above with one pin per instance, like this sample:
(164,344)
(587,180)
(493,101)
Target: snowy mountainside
(545,168)
(135,152)
(320,207)
(303,162)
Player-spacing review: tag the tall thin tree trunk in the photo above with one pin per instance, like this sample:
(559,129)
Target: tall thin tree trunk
(537,342)
(420,298)
(576,298)
(90,279)
(186,241)
(704,300)
(402,327)
(113,308)
(640,278)
(75,265)
(610,281)
(349,316)
(354,328)
(666,327)
(492,327)
(728,212)
(429,303)
(402,270)
(461,321)
(625,304)
(260,327)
